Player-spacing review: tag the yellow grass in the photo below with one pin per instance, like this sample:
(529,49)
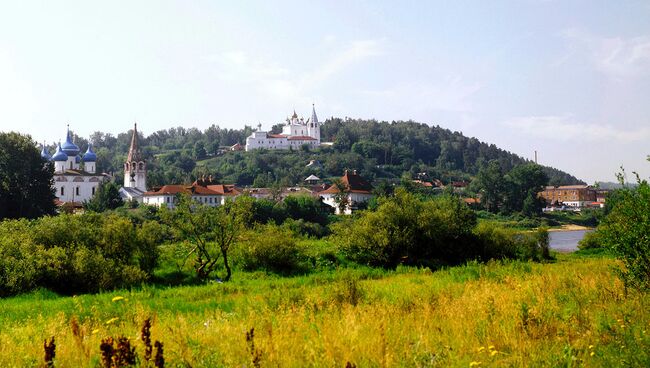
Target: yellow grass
(571,313)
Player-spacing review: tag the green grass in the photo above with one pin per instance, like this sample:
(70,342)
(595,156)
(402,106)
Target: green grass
(573,312)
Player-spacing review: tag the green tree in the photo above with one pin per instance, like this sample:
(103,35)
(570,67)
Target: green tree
(625,232)
(489,184)
(210,230)
(107,197)
(523,183)
(25,179)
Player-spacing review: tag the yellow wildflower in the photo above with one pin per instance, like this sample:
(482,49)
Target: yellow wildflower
(480,349)
(592,353)
(112,320)
(591,347)
(493,353)
(117,299)
(95,331)
(474,364)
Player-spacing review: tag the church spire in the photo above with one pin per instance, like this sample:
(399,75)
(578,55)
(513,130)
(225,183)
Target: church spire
(314,118)
(134,150)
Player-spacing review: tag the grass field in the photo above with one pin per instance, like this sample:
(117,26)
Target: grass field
(573,312)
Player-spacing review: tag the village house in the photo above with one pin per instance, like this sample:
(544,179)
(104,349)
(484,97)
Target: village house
(358,191)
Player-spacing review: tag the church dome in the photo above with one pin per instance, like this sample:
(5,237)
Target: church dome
(45,155)
(68,147)
(59,155)
(77,159)
(90,156)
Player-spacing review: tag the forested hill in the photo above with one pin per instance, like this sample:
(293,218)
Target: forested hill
(379,150)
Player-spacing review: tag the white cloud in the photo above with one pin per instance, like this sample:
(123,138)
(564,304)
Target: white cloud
(287,86)
(565,128)
(617,57)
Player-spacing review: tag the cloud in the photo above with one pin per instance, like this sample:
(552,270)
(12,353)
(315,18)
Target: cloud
(283,84)
(565,128)
(617,57)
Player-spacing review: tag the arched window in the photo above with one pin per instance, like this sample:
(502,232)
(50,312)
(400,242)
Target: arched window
(62,191)
(141,165)
(133,166)
(76,191)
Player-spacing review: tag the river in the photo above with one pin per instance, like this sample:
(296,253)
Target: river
(566,241)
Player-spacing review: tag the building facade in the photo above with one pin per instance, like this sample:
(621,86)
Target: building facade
(135,171)
(356,189)
(569,195)
(75,176)
(295,133)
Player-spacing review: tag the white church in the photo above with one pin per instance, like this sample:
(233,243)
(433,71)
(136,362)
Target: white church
(295,133)
(75,176)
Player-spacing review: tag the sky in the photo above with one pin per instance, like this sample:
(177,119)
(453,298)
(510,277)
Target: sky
(568,79)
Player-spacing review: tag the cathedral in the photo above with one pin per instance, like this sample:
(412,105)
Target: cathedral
(295,133)
(75,176)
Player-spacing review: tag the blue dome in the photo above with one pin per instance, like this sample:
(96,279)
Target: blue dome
(90,156)
(45,155)
(59,155)
(77,159)
(68,147)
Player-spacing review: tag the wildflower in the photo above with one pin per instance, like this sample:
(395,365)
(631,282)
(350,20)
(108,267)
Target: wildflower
(481,349)
(491,347)
(112,320)
(117,299)
(591,347)
(493,353)
(95,331)
(474,364)
(592,353)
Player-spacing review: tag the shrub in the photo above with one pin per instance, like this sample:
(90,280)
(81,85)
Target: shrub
(591,240)
(625,231)
(271,248)
(405,229)
(76,253)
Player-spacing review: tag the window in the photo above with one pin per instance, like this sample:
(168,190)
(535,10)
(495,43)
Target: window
(70,164)
(167,199)
(62,191)
(93,190)
(76,191)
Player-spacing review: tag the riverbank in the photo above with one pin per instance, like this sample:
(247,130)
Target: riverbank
(570,227)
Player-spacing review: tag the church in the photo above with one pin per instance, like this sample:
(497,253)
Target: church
(295,133)
(135,171)
(75,176)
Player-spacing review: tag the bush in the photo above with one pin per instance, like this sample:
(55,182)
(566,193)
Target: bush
(271,248)
(77,253)
(591,240)
(497,242)
(625,232)
(405,229)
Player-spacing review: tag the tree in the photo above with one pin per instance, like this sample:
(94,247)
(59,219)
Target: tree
(107,197)
(199,150)
(26,184)
(210,230)
(342,195)
(625,232)
(523,183)
(489,183)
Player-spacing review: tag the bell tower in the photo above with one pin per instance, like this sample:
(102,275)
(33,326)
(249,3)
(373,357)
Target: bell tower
(135,167)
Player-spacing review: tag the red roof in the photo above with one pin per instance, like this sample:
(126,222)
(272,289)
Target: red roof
(276,136)
(354,183)
(301,138)
(182,189)
(225,189)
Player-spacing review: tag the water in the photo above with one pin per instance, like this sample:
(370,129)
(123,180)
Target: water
(566,241)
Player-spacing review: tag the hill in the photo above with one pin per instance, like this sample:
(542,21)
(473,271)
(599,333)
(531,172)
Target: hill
(378,150)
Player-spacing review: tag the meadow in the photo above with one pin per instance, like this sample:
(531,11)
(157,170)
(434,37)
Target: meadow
(573,311)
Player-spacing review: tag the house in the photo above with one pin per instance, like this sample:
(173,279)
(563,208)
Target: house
(312,179)
(356,189)
(204,191)
(576,196)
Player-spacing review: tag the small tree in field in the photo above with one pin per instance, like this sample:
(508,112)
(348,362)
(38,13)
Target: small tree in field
(210,230)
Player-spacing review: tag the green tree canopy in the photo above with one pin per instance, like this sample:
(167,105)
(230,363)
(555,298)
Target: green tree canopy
(25,179)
